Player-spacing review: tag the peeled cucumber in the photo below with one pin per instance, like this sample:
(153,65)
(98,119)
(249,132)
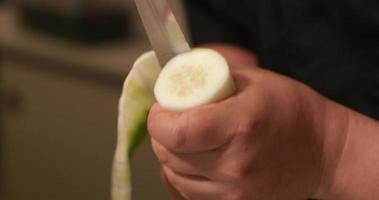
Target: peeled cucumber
(191,79)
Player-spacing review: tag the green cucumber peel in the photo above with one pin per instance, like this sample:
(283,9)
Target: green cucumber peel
(140,134)
(135,102)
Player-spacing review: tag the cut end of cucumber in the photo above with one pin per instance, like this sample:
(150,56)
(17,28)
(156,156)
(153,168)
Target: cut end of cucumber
(195,78)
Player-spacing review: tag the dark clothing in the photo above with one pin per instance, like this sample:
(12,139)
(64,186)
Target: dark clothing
(330,45)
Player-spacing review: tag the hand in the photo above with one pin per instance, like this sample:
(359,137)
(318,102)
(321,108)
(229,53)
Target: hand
(266,142)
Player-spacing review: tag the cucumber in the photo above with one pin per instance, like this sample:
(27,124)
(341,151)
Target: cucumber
(191,79)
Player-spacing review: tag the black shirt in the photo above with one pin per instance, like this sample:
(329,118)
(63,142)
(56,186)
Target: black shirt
(330,45)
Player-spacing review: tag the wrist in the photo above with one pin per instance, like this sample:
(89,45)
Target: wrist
(333,136)
(328,125)
(357,176)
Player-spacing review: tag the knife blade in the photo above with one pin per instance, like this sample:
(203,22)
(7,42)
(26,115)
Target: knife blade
(165,35)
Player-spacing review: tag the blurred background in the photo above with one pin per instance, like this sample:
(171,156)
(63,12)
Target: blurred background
(62,65)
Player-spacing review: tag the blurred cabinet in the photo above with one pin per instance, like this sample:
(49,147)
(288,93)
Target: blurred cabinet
(58,116)
(58,138)
(58,141)
(90,21)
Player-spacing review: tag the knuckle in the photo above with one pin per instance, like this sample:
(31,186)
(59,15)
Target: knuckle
(171,179)
(247,126)
(237,171)
(179,138)
(152,123)
(160,152)
(244,128)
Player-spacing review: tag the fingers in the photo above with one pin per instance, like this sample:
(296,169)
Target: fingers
(197,164)
(200,129)
(175,195)
(192,187)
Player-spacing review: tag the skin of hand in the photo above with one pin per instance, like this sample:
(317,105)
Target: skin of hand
(274,139)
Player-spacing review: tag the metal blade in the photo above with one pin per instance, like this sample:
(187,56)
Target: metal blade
(164,32)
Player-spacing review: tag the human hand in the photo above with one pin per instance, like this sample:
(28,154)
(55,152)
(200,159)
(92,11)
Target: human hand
(266,142)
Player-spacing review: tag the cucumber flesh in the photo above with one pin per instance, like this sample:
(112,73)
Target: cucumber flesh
(192,79)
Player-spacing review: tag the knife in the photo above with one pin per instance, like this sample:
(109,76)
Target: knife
(165,35)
